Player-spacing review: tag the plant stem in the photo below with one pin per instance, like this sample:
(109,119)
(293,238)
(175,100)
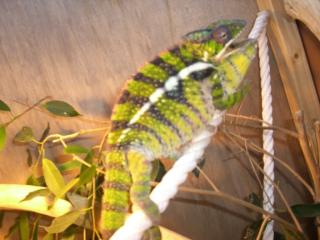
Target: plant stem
(258,149)
(239,202)
(262,228)
(269,126)
(294,218)
(25,111)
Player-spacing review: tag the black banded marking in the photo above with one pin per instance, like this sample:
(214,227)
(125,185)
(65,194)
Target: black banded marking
(156,114)
(116,185)
(202,74)
(114,208)
(178,95)
(142,78)
(128,97)
(168,68)
(145,128)
(176,51)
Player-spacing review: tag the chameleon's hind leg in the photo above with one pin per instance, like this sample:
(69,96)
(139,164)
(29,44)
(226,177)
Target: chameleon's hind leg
(140,170)
(152,233)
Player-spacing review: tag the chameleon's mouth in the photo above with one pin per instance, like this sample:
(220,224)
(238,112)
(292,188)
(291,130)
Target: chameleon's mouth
(236,46)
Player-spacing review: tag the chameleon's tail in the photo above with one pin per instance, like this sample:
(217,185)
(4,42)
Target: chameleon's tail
(116,187)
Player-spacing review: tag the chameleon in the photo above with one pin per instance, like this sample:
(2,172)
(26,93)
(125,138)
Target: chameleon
(162,107)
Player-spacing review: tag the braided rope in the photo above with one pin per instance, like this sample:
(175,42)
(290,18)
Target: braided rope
(137,223)
(268,143)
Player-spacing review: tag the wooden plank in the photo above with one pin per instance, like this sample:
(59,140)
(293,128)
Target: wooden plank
(307,11)
(292,62)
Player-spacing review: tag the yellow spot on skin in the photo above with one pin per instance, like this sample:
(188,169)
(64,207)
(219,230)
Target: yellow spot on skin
(116,197)
(172,60)
(140,88)
(115,175)
(154,72)
(124,112)
(112,220)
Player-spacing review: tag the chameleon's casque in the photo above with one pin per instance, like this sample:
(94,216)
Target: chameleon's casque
(162,107)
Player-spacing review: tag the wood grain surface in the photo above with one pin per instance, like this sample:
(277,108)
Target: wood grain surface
(83,51)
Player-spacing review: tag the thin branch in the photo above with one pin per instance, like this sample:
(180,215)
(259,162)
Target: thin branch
(25,111)
(262,228)
(294,218)
(258,149)
(211,183)
(77,134)
(267,125)
(239,202)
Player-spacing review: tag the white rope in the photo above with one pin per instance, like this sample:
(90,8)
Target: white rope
(268,144)
(138,222)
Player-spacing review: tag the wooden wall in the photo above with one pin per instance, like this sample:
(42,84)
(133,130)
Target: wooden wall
(83,51)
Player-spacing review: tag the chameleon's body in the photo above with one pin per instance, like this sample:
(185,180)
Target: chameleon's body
(163,106)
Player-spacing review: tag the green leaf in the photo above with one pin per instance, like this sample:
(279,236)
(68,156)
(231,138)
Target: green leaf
(70,233)
(200,165)
(255,199)
(1,218)
(48,237)
(4,106)
(87,175)
(52,176)
(36,193)
(306,210)
(60,224)
(2,137)
(29,158)
(60,108)
(45,133)
(67,187)
(32,180)
(162,171)
(88,159)
(292,235)
(24,226)
(35,230)
(155,169)
(75,149)
(69,165)
(25,135)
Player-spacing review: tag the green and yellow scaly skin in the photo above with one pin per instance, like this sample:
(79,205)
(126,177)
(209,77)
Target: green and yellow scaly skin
(163,106)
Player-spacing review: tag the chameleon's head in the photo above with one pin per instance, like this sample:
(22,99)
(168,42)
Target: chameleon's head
(209,41)
(231,69)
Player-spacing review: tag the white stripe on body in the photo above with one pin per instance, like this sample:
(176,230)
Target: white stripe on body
(170,84)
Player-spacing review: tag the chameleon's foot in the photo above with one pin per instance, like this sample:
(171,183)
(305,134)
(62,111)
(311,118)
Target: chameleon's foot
(152,233)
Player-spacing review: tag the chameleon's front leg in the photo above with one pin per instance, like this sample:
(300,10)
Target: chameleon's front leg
(140,168)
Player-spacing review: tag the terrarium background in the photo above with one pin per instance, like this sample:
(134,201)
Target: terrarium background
(82,52)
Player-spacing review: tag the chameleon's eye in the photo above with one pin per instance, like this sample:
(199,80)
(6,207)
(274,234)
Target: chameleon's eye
(222,35)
